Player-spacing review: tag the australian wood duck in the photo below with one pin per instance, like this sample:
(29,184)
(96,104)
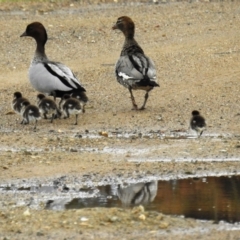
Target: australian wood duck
(82,97)
(134,70)
(197,123)
(70,106)
(16,102)
(30,113)
(47,106)
(52,78)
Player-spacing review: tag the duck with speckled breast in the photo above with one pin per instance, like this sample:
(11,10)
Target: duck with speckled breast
(134,70)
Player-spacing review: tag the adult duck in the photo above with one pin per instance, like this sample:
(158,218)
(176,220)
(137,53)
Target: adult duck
(52,78)
(134,70)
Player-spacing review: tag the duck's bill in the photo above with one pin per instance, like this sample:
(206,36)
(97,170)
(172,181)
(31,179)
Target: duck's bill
(114,27)
(24,34)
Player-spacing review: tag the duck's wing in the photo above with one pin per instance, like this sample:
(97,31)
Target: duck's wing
(136,67)
(63,73)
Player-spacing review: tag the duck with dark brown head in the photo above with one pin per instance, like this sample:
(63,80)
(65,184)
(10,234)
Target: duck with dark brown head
(134,70)
(49,77)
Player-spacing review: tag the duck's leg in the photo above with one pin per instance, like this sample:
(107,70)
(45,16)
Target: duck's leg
(58,113)
(66,113)
(35,126)
(76,119)
(200,133)
(60,104)
(53,116)
(83,108)
(135,107)
(26,121)
(145,100)
(45,115)
(53,93)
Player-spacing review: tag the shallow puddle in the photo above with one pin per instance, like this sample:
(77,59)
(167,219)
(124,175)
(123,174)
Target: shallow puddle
(207,198)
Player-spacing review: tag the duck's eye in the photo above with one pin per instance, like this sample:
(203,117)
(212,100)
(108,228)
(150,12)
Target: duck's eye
(119,21)
(29,29)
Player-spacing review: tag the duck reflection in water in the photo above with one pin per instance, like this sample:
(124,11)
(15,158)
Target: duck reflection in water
(139,193)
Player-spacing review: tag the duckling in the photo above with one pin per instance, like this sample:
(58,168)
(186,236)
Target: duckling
(134,70)
(49,77)
(47,106)
(197,123)
(17,101)
(30,113)
(82,97)
(69,106)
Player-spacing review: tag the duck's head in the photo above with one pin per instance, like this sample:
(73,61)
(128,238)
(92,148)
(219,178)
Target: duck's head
(25,103)
(126,25)
(17,95)
(66,96)
(40,96)
(195,113)
(37,31)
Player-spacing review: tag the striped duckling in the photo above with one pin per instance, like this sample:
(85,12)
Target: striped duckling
(70,106)
(197,123)
(52,78)
(17,101)
(47,106)
(30,113)
(134,70)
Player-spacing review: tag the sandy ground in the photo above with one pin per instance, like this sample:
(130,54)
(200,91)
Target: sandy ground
(195,47)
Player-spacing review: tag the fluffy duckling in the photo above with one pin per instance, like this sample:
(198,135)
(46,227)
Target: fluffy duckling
(69,106)
(47,106)
(134,70)
(30,113)
(197,123)
(82,97)
(17,101)
(52,78)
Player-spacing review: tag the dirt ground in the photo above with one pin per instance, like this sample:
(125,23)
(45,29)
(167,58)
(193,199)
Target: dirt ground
(196,50)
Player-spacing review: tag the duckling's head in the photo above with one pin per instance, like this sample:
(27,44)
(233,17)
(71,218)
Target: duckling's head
(195,113)
(40,96)
(17,95)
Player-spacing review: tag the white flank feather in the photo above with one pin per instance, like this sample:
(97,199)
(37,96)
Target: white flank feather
(124,76)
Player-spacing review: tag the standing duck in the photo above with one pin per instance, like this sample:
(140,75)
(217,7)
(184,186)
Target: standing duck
(134,70)
(17,101)
(30,113)
(82,97)
(52,78)
(69,106)
(197,123)
(47,106)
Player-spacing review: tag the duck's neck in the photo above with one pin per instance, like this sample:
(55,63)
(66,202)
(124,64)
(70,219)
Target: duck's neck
(130,47)
(40,54)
